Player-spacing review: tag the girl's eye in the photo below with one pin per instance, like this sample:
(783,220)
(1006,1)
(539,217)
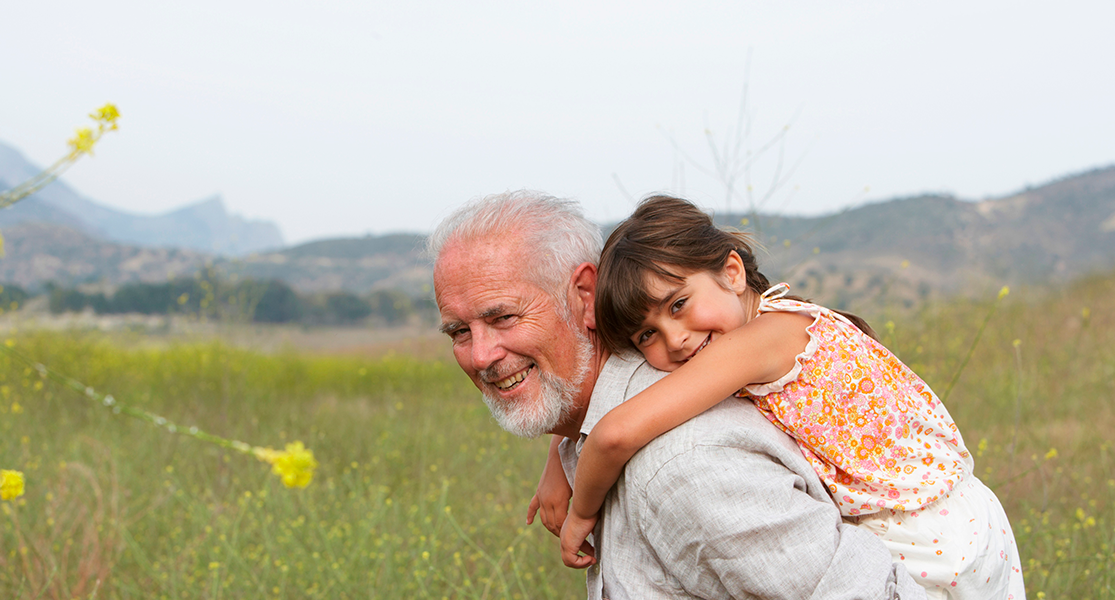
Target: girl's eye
(644,337)
(676,306)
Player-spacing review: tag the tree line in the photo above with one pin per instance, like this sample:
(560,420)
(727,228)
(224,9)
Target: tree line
(247,300)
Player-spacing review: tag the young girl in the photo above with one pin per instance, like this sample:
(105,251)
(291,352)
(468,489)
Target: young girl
(688,296)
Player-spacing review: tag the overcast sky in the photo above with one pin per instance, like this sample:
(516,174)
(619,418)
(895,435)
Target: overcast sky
(343,118)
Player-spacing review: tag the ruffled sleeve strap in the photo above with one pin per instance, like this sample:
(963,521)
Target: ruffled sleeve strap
(773,300)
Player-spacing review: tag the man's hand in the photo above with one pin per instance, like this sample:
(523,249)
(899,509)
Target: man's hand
(575,551)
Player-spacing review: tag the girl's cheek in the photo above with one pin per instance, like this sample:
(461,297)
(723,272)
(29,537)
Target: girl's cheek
(660,361)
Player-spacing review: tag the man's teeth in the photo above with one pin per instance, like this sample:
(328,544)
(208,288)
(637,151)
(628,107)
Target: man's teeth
(506,384)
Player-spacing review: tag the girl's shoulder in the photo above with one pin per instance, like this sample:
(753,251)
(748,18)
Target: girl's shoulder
(827,331)
(777,299)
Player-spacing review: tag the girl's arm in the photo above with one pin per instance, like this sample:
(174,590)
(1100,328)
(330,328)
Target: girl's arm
(761,351)
(553,493)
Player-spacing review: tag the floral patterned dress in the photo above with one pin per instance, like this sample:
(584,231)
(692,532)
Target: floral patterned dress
(892,457)
(873,430)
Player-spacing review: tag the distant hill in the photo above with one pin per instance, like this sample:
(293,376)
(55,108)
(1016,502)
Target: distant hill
(205,226)
(39,253)
(912,248)
(899,250)
(892,252)
(356,265)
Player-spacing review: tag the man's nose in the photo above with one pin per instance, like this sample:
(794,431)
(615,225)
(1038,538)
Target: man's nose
(486,348)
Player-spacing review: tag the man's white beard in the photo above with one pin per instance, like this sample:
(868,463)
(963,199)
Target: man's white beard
(555,402)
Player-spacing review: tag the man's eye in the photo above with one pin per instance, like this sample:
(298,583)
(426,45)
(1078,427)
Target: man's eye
(458,333)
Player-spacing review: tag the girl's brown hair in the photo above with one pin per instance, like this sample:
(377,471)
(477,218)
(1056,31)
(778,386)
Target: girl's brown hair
(670,238)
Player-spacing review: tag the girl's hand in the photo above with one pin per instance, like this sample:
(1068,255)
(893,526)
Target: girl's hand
(554,509)
(575,551)
(552,496)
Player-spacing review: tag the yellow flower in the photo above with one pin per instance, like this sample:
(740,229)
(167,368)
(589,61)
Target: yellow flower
(295,465)
(11,484)
(1051,454)
(82,142)
(1003,292)
(107,115)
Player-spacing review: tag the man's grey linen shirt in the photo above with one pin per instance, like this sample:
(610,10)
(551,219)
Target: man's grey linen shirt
(724,506)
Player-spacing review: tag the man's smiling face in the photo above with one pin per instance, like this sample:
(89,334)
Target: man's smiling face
(509,335)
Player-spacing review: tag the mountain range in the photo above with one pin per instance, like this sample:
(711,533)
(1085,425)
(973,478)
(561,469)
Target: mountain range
(900,250)
(921,246)
(205,226)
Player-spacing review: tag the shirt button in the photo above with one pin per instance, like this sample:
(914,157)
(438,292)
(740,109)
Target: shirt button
(596,569)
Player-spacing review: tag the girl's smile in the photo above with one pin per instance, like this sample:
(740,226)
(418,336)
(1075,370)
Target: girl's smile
(684,317)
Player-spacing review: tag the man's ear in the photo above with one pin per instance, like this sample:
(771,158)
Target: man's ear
(583,293)
(735,272)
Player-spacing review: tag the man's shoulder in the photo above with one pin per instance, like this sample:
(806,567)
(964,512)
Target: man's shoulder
(734,424)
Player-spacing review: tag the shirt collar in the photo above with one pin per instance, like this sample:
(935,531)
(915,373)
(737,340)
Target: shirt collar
(611,388)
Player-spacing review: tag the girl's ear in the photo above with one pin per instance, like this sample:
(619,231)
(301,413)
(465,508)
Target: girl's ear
(735,273)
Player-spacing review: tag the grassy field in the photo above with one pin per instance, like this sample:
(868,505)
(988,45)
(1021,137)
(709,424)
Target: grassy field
(420,495)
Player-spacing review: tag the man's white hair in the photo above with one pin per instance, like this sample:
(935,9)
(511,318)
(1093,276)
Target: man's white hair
(554,228)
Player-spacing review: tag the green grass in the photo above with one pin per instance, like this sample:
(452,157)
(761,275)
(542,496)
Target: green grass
(420,495)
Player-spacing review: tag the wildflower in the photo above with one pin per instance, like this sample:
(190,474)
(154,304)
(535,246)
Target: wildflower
(1051,454)
(106,115)
(11,484)
(295,465)
(1003,292)
(82,142)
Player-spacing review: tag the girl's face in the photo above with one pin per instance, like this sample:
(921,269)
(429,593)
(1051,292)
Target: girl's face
(685,317)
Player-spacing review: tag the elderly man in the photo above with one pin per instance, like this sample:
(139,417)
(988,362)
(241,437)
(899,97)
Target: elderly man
(724,506)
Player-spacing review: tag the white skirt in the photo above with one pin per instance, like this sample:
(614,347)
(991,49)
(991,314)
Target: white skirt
(960,547)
